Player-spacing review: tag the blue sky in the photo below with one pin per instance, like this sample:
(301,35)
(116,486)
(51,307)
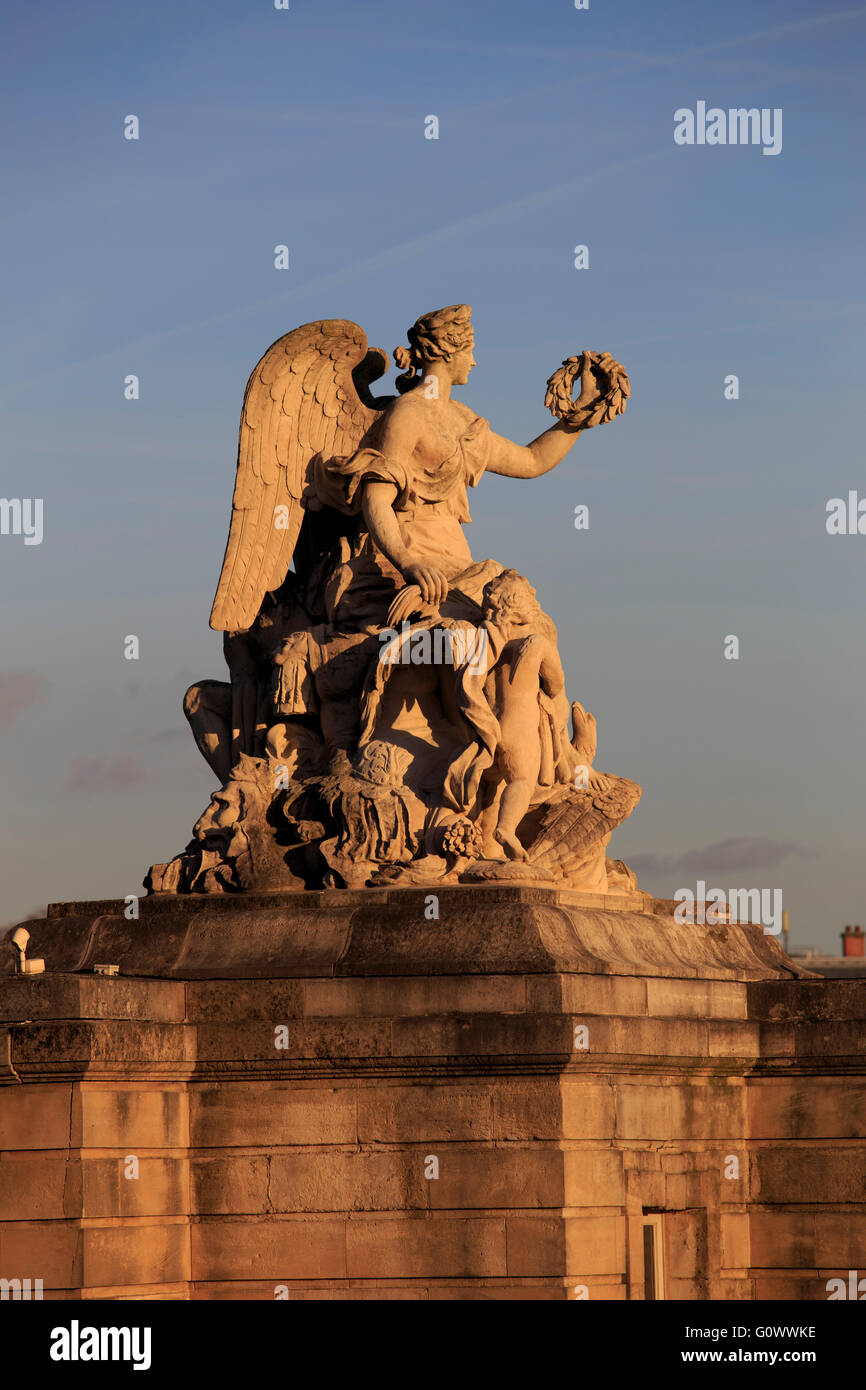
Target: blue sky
(707,516)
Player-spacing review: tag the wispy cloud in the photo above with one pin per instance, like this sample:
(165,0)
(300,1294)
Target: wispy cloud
(369,265)
(797,318)
(777,31)
(634,62)
(18,691)
(103,774)
(725,856)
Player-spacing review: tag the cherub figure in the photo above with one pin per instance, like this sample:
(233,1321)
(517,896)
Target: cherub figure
(526,690)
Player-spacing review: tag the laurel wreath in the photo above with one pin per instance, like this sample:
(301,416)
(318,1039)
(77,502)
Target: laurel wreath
(559,400)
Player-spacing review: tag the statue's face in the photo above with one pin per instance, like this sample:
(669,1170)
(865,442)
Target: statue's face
(221,815)
(462,363)
(374,762)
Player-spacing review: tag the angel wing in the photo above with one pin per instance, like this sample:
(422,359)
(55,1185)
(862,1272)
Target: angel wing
(307,395)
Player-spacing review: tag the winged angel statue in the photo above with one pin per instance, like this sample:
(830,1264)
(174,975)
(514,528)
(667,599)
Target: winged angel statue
(395,711)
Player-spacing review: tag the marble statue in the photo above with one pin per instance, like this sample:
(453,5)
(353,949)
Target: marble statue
(395,711)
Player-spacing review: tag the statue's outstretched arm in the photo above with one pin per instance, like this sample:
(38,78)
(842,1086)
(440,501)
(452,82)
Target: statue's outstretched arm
(531,460)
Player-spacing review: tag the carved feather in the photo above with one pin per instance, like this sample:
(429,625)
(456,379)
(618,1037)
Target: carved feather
(301,400)
(570,827)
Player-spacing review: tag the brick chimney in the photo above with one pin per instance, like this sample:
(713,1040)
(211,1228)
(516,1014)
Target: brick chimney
(852,941)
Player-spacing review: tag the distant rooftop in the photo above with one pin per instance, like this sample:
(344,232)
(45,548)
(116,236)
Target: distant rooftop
(851,964)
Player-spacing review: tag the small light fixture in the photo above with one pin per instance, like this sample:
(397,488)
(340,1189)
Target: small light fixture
(20,938)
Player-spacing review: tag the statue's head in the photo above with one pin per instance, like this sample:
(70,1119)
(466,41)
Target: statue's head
(219,819)
(382,763)
(445,335)
(509,600)
(236,829)
(233,806)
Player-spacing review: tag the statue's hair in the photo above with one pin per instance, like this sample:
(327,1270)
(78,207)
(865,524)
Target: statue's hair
(511,597)
(245,774)
(397,760)
(437,335)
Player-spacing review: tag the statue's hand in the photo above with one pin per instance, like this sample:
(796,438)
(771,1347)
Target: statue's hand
(604,390)
(590,392)
(590,389)
(430,580)
(408,603)
(595,384)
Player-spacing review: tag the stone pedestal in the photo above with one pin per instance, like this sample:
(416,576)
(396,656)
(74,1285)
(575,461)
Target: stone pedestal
(342,1095)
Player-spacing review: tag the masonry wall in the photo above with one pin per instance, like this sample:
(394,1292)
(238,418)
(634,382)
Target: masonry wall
(300,1171)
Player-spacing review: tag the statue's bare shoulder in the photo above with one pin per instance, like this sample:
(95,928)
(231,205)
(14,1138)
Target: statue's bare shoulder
(427,416)
(403,423)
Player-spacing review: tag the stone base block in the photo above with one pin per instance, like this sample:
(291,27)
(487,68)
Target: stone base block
(341,1096)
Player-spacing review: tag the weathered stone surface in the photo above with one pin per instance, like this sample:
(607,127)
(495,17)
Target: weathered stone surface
(785,1106)
(223,1116)
(273,1247)
(132,1116)
(501,1176)
(144,1252)
(800,1172)
(33,1186)
(309,1165)
(36,1118)
(457,1110)
(501,930)
(438,1244)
